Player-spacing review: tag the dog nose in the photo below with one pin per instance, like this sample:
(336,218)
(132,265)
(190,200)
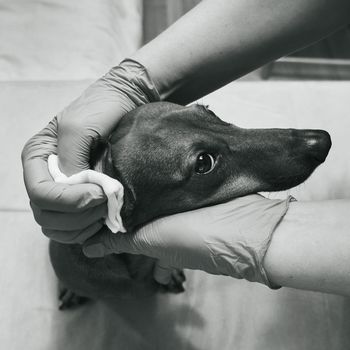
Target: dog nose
(318,143)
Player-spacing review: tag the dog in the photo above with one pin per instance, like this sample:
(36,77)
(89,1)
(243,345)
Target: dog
(171,159)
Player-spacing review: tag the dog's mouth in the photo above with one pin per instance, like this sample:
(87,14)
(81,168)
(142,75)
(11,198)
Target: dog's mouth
(286,183)
(310,151)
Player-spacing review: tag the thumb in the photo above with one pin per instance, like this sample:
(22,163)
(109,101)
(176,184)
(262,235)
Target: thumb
(73,149)
(105,242)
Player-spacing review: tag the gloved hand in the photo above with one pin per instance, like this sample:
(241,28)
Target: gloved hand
(71,214)
(226,239)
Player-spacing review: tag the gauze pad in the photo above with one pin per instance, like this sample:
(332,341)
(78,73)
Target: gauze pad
(112,188)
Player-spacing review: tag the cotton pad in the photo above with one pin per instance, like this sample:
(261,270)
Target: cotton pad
(112,188)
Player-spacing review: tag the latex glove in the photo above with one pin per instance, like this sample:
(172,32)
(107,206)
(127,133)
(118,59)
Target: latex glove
(71,214)
(226,239)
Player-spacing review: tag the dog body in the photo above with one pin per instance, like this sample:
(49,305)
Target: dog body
(171,159)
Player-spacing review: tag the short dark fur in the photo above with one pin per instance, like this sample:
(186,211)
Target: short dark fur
(153,152)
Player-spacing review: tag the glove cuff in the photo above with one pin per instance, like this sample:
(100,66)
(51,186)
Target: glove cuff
(261,275)
(137,84)
(243,255)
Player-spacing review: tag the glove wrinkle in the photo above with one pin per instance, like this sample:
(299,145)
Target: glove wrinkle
(242,255)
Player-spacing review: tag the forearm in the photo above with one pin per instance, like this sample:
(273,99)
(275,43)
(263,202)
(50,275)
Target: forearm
(310,248)
(220,40)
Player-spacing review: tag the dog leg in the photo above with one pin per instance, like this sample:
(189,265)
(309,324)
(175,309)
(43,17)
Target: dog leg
(114,276)
(68,299)
(177,278)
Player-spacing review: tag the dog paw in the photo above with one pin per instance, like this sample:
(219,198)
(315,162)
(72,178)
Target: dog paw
(175,285)
(69,299)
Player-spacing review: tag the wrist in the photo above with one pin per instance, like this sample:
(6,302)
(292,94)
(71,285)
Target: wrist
(133,80)
(167,77)
(142,79)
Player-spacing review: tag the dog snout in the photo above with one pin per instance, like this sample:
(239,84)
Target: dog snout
(318,143)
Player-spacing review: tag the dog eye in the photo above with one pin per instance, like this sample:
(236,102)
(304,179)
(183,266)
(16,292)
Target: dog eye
(205,163)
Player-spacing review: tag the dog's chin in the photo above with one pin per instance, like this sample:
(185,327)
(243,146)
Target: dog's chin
(287,183)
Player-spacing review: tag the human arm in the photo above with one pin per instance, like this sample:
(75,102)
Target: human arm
(305,247)
(219,41)
(310,248)
(213,44)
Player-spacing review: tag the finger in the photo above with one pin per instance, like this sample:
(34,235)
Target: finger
(47,194)
(42,144)
(106,242)
(74,148)
(41,188)
(54,220)
(149,240)
(104,111)
(74,236)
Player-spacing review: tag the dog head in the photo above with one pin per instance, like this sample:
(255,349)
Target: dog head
(172,158)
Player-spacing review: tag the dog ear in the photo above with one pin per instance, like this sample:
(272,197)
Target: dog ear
(101,160)
(98,154)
